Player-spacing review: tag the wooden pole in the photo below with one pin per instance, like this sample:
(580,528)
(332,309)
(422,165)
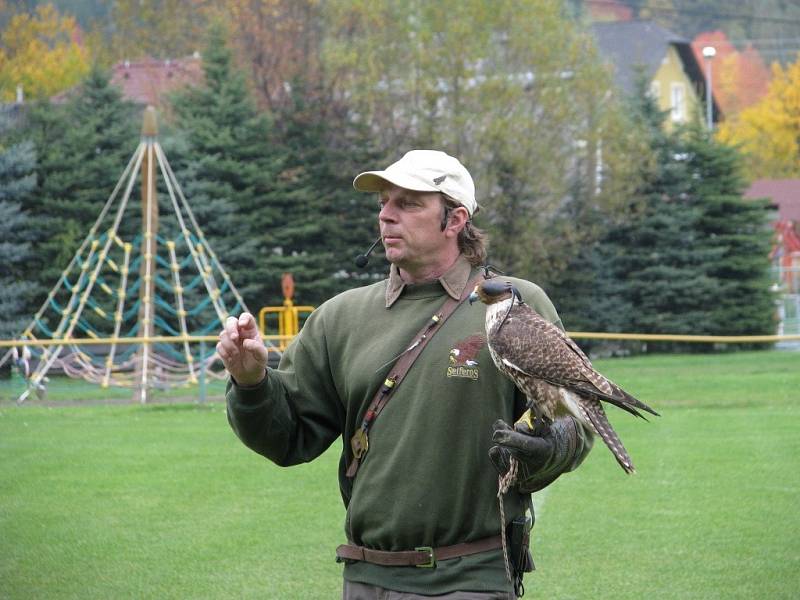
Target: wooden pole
(147,269)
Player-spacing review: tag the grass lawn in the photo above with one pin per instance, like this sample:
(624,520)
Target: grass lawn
(162,501)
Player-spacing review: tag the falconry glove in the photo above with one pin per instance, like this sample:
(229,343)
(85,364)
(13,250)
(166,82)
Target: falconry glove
(543,456)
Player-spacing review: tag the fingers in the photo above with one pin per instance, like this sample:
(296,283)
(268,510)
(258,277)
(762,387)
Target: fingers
(241,349)
(247,325)
(258,350)
(500,424)
(227,346)
(231,329)
(501,459)
(237,328)
(521,443)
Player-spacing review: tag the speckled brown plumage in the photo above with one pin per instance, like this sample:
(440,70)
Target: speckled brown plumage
(552,371)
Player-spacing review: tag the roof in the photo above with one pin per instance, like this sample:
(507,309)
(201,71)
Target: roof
(740,78)
(633,46)
(146,82)
(784,193)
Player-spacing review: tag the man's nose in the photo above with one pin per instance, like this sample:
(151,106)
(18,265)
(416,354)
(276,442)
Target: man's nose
(387,213)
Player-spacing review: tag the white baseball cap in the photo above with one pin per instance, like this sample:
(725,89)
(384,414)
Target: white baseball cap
(424,171)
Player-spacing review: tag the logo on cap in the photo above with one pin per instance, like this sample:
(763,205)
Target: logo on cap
(439,180)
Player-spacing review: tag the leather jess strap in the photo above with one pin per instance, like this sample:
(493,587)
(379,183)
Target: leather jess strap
(423,556)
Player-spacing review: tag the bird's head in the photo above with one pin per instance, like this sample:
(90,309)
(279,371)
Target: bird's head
(494,290)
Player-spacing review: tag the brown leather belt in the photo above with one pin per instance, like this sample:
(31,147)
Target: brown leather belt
(422,556)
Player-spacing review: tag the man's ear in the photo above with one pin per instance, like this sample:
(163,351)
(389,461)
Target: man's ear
(456,221)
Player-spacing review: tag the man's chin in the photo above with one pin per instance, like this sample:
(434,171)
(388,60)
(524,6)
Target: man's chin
(393,255)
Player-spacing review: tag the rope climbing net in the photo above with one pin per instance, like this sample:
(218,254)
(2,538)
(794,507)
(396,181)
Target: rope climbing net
(142,279)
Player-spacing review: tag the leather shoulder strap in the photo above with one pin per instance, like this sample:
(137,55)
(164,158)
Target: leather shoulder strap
(359,443)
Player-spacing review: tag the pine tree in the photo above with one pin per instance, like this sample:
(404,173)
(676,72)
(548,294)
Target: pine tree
(17,234)
(665,266)
(232,173)
(330,223)
(691,260)
(351,150)
(82,148)
(737,231)
(650,274)
(306,229)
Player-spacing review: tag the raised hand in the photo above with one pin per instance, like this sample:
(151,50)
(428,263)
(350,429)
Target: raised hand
(242,351)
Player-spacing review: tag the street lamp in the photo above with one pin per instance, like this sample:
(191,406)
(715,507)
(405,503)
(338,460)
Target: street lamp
(709,52)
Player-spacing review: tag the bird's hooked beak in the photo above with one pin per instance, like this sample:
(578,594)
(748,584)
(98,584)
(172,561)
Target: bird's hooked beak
(473,297)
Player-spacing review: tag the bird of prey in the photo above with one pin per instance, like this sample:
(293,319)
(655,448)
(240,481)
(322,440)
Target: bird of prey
(549,368)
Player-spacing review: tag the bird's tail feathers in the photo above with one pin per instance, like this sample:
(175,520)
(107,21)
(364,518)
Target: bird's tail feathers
(593,412)
(628,403)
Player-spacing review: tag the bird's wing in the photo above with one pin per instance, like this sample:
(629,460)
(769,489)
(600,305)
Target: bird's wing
(534,346)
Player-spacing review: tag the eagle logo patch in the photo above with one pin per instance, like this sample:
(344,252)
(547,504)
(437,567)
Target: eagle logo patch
(462,360)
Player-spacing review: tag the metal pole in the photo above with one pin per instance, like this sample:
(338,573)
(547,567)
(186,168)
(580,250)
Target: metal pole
(202,371)
(709,121)
(709,52)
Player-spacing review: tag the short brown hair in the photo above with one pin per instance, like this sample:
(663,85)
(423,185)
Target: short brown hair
(472,242)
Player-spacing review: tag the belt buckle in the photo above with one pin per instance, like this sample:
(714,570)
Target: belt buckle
(429,550)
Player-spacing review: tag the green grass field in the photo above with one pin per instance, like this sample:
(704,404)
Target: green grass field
(162,501)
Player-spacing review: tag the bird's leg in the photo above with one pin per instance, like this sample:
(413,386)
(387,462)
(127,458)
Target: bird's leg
(533,421)
(525,423)
(541,422)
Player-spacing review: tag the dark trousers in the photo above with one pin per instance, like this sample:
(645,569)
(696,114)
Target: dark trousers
(362,591)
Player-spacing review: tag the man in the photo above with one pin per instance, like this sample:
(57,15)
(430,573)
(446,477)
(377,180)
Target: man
(426,484)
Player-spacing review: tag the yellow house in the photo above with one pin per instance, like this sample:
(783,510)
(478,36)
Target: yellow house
(643,49)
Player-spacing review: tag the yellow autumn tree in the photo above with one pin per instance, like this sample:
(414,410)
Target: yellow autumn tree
(769,131)
(42,52)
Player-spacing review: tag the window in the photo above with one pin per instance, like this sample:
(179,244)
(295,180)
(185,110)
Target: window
(678,102)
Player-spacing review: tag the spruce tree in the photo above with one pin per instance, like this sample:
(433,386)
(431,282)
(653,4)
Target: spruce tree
(737,231)
(652,273)
(232,172)
(693,257)
(17,235)
(664,267)
(82,148)
(329,223)
(305,233)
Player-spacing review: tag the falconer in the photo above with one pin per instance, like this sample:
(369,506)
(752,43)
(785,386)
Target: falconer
(400,372)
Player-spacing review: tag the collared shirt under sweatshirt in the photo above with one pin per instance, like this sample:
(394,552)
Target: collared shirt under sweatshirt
(426,479)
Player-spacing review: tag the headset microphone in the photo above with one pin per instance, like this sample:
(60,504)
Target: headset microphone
(363,259)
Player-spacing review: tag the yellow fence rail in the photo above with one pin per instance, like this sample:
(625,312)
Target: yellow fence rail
(667,337)
(283,339)
(128,340)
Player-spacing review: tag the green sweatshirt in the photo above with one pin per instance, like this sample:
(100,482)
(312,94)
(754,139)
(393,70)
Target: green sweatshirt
(426,479)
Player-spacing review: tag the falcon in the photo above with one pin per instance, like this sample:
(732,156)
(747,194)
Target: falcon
(550,369)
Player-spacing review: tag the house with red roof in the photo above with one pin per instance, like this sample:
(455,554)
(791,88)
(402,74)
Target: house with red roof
(148,82)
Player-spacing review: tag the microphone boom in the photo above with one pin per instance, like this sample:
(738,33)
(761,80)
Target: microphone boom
(362,259)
